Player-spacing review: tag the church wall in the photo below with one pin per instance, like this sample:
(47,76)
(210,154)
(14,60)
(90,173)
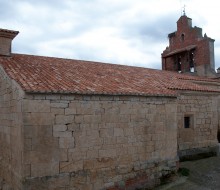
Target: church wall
(11,139)
(98,142)
(218,120)
(202,132)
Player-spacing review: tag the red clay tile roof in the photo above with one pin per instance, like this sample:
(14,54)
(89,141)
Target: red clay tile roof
(55,75)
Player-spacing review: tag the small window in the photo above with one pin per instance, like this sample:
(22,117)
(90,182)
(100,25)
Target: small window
(182,37)
(218,136)
(187,121)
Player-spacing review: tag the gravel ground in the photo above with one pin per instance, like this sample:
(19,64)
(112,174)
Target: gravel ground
(204,175)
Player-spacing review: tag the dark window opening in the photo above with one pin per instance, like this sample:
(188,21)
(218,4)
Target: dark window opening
(186,122)
(218,136)
(191,62)
(179,64)
(182,37)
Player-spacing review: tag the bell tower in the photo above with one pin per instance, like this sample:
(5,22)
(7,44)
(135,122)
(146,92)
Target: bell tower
(189,51)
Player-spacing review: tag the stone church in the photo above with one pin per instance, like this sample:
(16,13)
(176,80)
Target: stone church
(70,125)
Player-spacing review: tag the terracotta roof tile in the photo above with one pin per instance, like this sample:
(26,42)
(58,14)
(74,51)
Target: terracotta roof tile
(56,75)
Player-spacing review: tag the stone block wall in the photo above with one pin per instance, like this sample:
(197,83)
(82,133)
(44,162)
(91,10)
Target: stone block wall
(5,46)
(11,139)
(97,142)
(203,113)
(218,136)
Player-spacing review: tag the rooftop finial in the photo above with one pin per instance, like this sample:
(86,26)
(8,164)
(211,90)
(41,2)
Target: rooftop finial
(184,10)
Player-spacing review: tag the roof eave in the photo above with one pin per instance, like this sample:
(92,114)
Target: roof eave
(172,95)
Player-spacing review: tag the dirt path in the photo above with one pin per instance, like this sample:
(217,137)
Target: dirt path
(204,175)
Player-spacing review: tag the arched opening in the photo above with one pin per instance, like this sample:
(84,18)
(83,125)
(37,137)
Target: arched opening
(191,62)
(182,37)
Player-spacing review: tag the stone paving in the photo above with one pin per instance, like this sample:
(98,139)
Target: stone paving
(204,175)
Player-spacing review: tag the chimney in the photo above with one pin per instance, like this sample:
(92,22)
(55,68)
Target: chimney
(6,37)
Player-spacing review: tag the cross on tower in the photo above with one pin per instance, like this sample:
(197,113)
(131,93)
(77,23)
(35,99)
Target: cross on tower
(184,10)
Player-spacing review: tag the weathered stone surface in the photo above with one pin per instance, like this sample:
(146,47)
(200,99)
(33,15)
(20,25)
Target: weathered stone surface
(44,169)
(64,119)
(65,134)
(38,118)
(36,106)
(37,131)
(42,143)
(107,153)
(70,111)
(11,138)
(95,141)
(66,142)
(61,127)
(77,154)
(56,182)
(59,104)
(57,111)
(118,132)
(202,110)
(71,166)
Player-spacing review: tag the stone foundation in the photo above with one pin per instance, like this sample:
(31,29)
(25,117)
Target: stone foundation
(105,179)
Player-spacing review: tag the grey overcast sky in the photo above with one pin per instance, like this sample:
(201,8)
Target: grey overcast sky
(128,32)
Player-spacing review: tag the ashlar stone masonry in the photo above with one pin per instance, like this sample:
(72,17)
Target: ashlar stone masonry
(202,110)
(96,142)
(11,133)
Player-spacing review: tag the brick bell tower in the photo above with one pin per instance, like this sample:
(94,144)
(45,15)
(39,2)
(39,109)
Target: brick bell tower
(189,51)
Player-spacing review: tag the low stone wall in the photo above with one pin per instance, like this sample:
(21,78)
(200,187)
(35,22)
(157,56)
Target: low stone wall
(202,133)
(97,142)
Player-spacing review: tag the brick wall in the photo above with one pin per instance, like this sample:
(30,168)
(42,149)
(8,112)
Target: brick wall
(97,142)
(203,113)
(11,140)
